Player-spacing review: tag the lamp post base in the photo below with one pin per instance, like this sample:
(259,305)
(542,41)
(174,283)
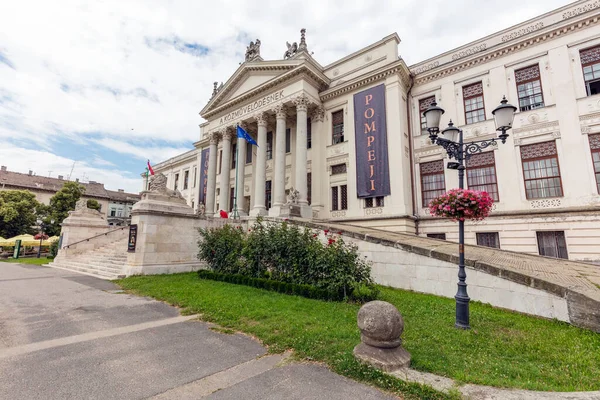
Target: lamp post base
(462,312)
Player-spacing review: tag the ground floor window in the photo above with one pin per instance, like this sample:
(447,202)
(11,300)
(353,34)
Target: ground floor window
(488,239)
(552,244)
(339,198)
(268,194)
(441,236)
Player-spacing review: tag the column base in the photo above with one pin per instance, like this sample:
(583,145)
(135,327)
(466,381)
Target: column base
(301,210)
(281,211)
(258,211)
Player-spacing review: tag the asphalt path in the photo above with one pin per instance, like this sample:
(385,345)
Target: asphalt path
(70,336)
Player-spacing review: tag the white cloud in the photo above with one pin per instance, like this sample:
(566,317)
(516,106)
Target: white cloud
(23,160)
(154,154)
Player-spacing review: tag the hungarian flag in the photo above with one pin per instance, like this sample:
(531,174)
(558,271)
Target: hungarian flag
(150,168)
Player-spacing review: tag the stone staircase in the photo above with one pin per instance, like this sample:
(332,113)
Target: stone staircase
(106,262)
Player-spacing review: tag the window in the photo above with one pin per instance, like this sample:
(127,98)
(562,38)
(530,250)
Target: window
(248,153)
(338,169)
(488,239)
(288,140)
(176,181)
(268,194)
(378,202)
(552,244)
(334,199)
(541,171)
(119,213)
(473,100)
(590,62)
(186,178)
(308,133)
(441,236)
(481,173)
(231,198)
(309,187)
(195,175)
(529,88)
(595,146)
(337,122)
(233,155)
(432,180)
(339,193)
(113,212)
(424,105)
(269,145)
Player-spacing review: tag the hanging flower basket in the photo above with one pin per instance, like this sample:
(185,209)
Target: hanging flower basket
(462,204)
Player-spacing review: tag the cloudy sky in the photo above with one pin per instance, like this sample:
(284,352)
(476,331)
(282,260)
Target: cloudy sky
(104,85)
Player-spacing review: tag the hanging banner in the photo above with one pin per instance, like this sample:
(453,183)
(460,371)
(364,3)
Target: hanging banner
(372,166)
(203,176)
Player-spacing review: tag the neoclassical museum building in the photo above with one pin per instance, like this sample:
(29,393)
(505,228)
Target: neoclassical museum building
(346,142)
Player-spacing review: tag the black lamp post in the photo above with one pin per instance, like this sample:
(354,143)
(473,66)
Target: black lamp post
(41,224)
(456,148)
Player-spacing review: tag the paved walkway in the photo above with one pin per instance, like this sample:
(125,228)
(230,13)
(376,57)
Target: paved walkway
(67,336)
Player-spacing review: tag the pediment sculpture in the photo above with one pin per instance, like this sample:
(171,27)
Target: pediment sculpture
(253,50)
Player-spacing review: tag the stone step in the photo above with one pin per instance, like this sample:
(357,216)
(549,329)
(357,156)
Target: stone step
(92,257)
(87,271)
(81,266)
(92,264)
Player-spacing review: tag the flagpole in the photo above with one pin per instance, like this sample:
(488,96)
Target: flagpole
(235,212)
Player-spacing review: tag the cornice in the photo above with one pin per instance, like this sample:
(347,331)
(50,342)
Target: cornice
(433,70)
(398,67)
(305,68)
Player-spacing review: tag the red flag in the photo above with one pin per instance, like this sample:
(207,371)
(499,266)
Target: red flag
(150,168)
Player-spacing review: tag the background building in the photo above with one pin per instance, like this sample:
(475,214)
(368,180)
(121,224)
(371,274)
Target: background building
(115,205)
(315,136)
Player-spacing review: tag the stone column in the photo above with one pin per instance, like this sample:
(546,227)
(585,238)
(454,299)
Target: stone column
(212,175)
(240,168)
(319,148)
(225,169)
(260,176)
(300,185)
(279,176)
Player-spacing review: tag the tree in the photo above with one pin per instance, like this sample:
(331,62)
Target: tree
(17,212)
(60,204)
(94,205)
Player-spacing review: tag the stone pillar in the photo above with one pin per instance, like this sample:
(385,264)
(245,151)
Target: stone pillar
(260,176)
(225,169)
(212,174)
(319,193)
(300,184)
(167,233)
(279,176)
(240,169)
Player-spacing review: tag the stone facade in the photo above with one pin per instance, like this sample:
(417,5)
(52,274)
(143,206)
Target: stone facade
(302,116)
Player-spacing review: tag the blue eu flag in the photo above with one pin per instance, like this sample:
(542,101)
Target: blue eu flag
(241,133)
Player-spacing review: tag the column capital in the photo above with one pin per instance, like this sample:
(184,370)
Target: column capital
(229,133)
(244,125)
(318,114)
(280,111)
(214,137)
(262,118)
(302,102)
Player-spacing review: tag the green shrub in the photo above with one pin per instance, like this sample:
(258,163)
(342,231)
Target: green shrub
(53,250)
(222,248)
(288,254)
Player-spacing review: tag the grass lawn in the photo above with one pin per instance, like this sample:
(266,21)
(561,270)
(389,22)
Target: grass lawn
(33,261)
(502,349)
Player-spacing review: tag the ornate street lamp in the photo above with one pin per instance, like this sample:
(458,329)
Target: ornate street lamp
(452,142)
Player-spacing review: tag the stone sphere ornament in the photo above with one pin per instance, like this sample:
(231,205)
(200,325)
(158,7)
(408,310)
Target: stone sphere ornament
(380,326)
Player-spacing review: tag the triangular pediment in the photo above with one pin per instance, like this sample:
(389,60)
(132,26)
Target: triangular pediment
(249,77)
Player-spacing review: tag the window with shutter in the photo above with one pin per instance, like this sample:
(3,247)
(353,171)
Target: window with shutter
(590,62)
(337,121)
(529,88)
(481,173)
(432,180)
(541,171)
(473,102)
